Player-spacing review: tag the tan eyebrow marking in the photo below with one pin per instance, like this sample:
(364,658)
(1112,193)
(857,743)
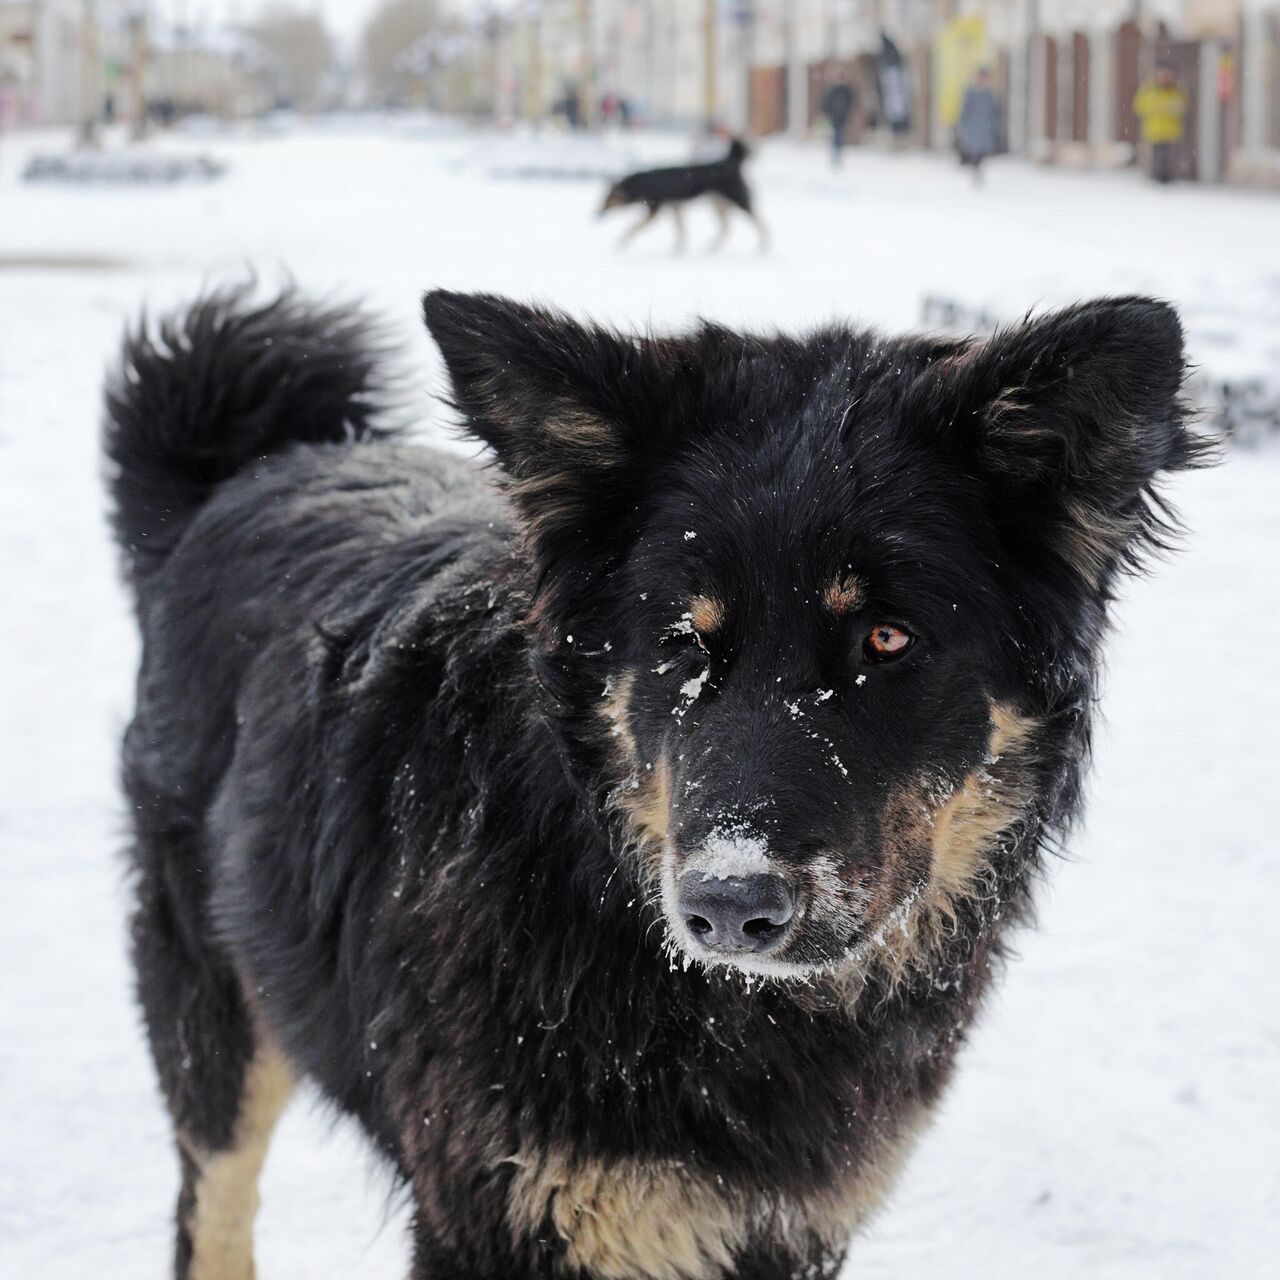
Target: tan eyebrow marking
(706,614)
(844,595)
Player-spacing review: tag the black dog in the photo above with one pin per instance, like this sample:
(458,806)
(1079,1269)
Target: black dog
(629,850)
(674,187)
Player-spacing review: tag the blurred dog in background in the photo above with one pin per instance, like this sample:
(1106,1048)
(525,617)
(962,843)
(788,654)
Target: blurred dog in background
(674,187)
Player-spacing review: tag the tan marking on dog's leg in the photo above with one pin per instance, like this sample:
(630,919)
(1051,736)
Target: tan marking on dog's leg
(226,1191)
(628,1220)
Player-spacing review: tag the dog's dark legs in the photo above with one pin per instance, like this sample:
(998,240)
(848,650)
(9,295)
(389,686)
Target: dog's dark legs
(635,228)
(678,214)
(224,1085)
(742,198)
(722,212)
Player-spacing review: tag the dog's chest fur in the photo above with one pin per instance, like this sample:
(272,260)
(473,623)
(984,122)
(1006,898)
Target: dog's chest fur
(635,1220)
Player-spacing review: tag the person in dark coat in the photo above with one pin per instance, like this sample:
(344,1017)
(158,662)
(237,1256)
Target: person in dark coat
(895,88)
(978,129)
(570,107)
(838,104)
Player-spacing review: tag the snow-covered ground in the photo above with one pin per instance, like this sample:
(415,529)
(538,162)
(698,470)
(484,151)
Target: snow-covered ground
(1116,1115)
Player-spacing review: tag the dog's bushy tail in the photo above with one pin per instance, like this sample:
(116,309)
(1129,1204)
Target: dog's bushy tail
(224,382)
(738,151)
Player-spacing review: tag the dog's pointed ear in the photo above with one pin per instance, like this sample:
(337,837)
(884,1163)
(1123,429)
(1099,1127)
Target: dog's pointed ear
(1071,418)
(556,401)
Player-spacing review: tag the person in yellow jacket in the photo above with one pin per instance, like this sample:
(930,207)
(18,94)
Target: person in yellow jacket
(1161,104)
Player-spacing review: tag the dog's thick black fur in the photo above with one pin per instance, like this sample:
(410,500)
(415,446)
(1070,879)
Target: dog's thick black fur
(447,797)
(721,181)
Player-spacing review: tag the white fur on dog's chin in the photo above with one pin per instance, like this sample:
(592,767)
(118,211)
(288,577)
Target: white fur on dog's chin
(692,951)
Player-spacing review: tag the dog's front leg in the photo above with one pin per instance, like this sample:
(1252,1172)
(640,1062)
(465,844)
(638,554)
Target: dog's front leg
(631,232)
(677,212)
(761,229)
(722,211)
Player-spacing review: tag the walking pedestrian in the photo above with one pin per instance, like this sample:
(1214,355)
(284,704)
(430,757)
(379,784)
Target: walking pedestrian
(978,128)
(1161,104)
(838,104)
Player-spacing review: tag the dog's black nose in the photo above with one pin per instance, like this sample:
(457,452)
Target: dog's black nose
(740,913)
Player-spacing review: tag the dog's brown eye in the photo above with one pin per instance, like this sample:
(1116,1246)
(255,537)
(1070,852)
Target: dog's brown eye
(886,642)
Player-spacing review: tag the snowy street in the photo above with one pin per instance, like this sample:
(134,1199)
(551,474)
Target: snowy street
(1115,1113)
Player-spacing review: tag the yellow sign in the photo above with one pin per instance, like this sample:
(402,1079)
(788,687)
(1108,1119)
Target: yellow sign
(961,49)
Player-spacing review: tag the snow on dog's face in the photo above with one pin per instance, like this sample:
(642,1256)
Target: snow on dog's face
(824,741)
(819,613)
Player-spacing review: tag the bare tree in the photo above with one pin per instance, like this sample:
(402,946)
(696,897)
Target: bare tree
(397,30)
(300,45)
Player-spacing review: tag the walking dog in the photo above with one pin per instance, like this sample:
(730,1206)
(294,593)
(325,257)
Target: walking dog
(673,188)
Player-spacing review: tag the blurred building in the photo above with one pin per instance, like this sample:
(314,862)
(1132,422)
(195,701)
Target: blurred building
(42,61)
(1067,71)
(1085,63)
(68,61)
(17,62)
(656,56)
(216,71)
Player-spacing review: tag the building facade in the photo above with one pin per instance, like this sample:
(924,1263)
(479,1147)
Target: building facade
(1067,71)
(70,61)
(42,61)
